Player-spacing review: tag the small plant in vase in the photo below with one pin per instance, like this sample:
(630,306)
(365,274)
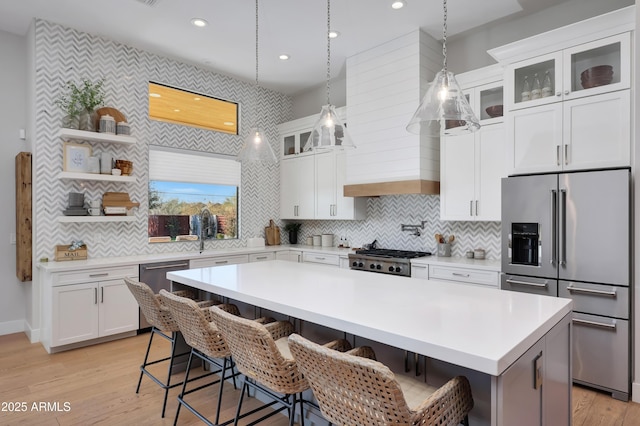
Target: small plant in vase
(80,103)
(292,229)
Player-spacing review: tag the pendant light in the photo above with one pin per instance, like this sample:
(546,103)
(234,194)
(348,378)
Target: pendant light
(329,132)
(256,148)
(444,108)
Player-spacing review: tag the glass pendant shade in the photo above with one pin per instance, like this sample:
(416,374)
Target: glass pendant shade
(256,148)
(444,108)
(329,132)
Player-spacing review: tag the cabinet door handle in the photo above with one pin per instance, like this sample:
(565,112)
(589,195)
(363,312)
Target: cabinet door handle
(476,207)
(594,324)
(101,294)
(106,274)
(470,207)
(320,258)
(557,155)
(95,296)
(458,274)
(419,266)
(537,373)
(566,92)
(221,262)
(261,257)
(558,94)
(566,154)
(573,289)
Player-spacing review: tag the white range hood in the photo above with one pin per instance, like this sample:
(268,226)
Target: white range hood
(384,87)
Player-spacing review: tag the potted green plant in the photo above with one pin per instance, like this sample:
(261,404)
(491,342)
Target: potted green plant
(293,228)
(80,103)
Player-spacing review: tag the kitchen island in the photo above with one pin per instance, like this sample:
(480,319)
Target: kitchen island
(520,341)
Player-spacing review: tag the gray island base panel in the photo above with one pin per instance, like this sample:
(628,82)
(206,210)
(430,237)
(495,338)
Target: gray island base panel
(520,343)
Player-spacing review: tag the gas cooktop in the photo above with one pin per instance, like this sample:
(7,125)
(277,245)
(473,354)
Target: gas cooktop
(399,254)
(385,261)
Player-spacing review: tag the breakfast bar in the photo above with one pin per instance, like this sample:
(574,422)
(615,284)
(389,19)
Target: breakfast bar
(522,342)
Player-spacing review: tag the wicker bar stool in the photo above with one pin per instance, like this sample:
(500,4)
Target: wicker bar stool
(206,344)
(163,325)
(352,390)
(261,354)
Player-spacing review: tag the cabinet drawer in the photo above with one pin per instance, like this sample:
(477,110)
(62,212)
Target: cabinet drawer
(92,275)
(531,285)
(463,275)
(261,257)
(597,299)
(325,259)
(218,261)
(601,351)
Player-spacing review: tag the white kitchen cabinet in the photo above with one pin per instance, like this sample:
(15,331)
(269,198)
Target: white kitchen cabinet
(330,175)
(321,258)
(289,255)
(295,133)
(261,257)
(88,304)
(463,275)
(297,187)
(311,184)
(420,271)
(588,132)
(218,261)
(472,164)
(565,68)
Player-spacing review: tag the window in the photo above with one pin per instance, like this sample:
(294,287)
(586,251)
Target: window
(182,184)
(179,106)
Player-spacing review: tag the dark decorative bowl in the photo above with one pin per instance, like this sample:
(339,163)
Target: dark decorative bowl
(600,75)
(494,111)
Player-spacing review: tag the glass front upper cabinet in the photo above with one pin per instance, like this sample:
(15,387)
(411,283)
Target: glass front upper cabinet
(584,70)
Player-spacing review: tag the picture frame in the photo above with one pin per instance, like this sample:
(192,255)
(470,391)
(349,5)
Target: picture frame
(75,157)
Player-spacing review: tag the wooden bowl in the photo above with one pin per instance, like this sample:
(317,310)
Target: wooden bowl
(125,166)
(600,75)
(494,111)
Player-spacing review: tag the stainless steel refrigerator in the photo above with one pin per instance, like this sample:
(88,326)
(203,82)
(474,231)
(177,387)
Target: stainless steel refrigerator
(569,235)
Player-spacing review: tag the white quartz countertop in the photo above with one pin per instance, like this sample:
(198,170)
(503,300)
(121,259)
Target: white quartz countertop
(459,262)
(474,327)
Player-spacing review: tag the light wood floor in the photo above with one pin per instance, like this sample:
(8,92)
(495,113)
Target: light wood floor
(98,384)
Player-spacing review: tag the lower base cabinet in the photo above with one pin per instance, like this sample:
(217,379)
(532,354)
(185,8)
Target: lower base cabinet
(289,255)
(88,311)
(88,304)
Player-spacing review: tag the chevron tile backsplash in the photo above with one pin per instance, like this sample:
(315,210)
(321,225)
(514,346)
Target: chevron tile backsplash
(64,54)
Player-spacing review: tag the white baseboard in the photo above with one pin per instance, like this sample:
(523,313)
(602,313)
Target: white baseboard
(32,333)
(10,327)
(635,391)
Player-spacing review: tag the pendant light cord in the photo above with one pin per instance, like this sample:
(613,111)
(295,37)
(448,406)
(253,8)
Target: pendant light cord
(328,51)
(444,34)
(255,103)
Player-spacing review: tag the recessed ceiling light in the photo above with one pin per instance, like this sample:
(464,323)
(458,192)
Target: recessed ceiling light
(228,123)
(398,4)
(176,110)
(155,95)
(334,34)
(284,57)
(199,22)
(196,99)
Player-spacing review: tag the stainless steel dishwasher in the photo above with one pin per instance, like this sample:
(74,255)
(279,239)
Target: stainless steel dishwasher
(155,276)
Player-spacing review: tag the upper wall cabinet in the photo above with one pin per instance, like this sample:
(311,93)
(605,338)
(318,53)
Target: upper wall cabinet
(294,134)
(567,96)
(585,70)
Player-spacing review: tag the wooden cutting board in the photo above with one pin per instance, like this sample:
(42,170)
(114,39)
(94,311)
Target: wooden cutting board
(272,234)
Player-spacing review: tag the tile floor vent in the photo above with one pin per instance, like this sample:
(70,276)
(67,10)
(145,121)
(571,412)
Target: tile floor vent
(148,2)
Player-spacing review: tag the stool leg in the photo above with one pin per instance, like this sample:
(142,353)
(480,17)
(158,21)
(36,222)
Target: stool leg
(166,388)
(184,387)
(244,386)
(224,370)
(301,410)
(465,421)
(146,357)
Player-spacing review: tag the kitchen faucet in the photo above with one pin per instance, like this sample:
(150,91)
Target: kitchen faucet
(415,228)
(204,214)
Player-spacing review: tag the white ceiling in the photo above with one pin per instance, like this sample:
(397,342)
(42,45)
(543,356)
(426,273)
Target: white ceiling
(295,27)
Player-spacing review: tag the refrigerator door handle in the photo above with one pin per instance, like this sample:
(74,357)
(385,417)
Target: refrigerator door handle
(554,226)
(563,228)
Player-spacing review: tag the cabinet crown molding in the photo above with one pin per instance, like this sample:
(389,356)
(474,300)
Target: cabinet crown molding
(608,24)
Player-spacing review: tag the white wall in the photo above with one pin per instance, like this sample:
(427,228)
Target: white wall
(13,116)
(310,101)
